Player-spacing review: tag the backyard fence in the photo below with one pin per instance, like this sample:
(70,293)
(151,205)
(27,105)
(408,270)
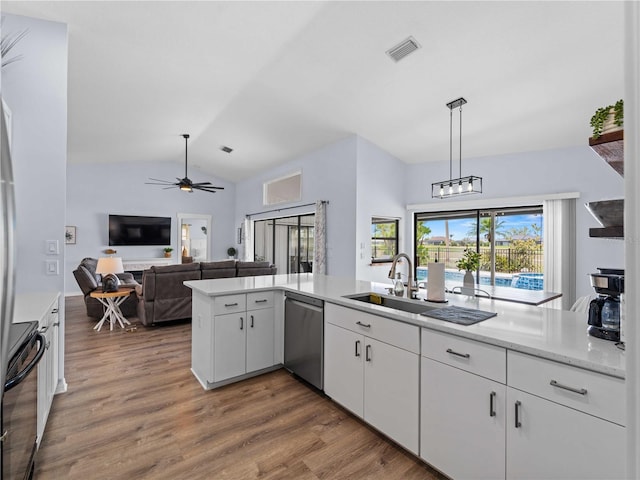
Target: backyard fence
(508,259)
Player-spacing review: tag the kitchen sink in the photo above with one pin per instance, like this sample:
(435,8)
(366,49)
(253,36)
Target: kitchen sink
(396,303)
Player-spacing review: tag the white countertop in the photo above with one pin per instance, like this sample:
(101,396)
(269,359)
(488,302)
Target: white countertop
(32,307)
(548,333)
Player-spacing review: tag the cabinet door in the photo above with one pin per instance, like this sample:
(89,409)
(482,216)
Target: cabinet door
(391,390)
(229,345)
(554,441)
(343,354)
(260,332)
(462,426)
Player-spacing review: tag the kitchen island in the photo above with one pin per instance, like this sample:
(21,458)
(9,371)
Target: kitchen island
(522,394)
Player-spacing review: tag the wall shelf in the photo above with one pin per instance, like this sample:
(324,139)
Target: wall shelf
(607,232)
(610,147)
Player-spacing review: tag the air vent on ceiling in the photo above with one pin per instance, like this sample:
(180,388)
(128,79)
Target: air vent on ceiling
(226,149)
(403,49)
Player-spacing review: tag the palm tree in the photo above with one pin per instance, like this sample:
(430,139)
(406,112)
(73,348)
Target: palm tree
(485,228)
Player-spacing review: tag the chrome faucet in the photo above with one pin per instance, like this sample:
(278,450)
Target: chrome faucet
(411,289)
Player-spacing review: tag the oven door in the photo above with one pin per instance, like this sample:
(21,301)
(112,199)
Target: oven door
(20,410)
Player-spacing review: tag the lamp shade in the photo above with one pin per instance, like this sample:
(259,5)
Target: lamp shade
(109,265)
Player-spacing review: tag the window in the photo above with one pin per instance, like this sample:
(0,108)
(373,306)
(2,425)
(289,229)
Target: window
(510,241)
(384,239)
(283,189)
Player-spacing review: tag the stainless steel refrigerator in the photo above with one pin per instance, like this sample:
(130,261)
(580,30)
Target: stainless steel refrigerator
(7,247)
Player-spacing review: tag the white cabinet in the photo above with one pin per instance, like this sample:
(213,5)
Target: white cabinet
(48,366)
(343,366)
(229,346)
(372,368)
(563,422)
(260,339)
(232,335)
(462,426)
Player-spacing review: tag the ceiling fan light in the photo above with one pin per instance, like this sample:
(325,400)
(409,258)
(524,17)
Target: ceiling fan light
(185,184)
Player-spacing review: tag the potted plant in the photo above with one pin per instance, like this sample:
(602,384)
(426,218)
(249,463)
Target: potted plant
(470,261)
(608,119)
(231,252)
(167,252)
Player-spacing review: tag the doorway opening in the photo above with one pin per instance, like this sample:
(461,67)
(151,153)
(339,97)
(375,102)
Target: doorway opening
(193,237)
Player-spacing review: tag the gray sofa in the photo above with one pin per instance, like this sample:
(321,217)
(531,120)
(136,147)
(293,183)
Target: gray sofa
(162,297)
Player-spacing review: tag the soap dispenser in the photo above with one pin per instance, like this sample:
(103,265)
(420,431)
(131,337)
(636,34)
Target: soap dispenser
(398,286)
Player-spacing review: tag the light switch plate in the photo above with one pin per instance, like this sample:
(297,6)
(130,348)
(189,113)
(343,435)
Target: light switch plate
(52,247)
(51,267)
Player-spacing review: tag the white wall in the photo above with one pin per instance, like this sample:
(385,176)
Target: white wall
(380,193)
(576,169)
(328,173)
(96,190)
(35,89)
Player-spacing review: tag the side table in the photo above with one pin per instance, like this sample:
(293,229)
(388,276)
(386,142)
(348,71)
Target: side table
(112,302)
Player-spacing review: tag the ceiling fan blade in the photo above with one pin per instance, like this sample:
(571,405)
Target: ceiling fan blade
(159,180)
(202,183)
(160,183)
(204,189)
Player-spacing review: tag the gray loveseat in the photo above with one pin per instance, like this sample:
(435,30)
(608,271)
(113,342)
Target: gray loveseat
(162,297)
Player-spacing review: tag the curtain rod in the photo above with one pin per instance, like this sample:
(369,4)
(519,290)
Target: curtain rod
(285,208)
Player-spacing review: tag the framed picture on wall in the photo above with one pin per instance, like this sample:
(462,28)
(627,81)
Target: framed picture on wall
(70,235)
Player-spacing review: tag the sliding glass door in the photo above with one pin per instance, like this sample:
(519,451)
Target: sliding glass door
(285,242)
(509,241)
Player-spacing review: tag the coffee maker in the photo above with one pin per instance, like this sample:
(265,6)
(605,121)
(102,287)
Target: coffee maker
(604,311)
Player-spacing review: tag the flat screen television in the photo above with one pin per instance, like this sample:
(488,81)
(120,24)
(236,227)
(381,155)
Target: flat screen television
(138,230)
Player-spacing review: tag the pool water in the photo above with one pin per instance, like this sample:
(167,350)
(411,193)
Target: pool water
(525,281)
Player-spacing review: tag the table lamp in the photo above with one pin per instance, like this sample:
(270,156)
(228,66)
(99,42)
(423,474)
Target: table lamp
(108,267)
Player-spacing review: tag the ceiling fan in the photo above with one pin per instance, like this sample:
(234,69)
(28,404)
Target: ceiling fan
(185,184)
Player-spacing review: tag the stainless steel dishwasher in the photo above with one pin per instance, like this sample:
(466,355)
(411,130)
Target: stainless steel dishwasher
(304,338)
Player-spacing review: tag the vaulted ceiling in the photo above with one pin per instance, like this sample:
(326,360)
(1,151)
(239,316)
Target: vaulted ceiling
(273,80)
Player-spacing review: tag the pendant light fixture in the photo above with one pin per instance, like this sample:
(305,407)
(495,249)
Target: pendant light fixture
(462,185)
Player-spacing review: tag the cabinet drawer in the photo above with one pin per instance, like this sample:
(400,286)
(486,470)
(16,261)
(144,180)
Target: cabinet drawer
(258,300)
(229,304)
(589,392)
(399,334)
(480,358)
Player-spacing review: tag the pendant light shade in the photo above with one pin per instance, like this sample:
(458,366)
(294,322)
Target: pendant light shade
(461,185)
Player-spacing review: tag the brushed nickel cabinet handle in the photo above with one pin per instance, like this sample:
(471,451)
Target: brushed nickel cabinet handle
(251,321)
(365,325)
(368,353)
(580,391)
(241,323)
(261,301)
(231,304)
(357,349)
(518,405)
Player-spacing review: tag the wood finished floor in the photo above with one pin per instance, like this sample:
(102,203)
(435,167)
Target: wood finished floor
(133,410)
